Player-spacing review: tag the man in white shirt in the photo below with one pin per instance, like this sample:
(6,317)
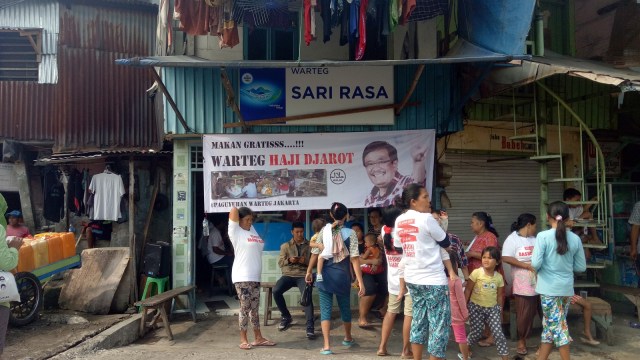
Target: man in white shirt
(213,247)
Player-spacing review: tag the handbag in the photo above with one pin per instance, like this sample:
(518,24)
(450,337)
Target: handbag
(305,299)
(8,287)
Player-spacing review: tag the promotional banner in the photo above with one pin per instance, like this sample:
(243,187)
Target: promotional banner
(276,172)
(277,93)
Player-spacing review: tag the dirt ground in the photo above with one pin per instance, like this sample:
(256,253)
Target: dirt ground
(55,332)
(214,336)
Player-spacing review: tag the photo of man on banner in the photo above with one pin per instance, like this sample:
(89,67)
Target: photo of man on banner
(380,160)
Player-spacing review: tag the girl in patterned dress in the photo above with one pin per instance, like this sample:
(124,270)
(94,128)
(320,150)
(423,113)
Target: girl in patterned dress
(485,290)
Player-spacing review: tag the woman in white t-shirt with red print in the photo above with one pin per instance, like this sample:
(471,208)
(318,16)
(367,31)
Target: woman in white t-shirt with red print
(421,238)
(516,251)
(246,273)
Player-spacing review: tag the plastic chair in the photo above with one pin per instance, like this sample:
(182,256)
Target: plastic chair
(161,284)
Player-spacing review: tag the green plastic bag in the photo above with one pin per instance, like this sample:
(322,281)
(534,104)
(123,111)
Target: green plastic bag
(3,210)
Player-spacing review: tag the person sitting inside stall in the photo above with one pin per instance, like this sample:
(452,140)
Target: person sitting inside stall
(578,213)
(15,226)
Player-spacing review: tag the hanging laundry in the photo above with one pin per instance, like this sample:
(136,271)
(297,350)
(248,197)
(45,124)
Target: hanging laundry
(86,180)
(230,37)
(314,4)
(394,14)
(382,18)
(362,30)
(307,22)
(425,10)
(75,192)
(53,195)
(344,22)
(193,16)
(325,13)
(407,9)
(107,189)
(354,13)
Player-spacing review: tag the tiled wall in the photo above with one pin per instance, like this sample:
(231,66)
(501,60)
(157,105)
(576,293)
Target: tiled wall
(181,237)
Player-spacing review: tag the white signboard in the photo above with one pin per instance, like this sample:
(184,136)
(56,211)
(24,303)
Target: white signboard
(8,178)
(275,172)
(279,93)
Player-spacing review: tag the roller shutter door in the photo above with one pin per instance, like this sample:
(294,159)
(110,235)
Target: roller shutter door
(504,189)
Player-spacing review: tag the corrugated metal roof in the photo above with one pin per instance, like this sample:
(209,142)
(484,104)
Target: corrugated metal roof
(108,29)
(95,105)
(200,96)
(90,156)
(45,15)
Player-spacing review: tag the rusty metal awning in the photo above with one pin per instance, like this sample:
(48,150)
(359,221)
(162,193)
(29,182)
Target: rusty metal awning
(527,71)
(85,157)
(462,52)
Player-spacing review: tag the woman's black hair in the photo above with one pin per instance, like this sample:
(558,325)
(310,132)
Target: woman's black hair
(486,219)
(522,221)
(244,211)
(559,211)
(453,257)
(389,216)
(338,211)
(358,225)
(411,192)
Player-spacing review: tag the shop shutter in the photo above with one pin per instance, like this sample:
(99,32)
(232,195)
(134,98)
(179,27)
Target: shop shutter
(504,189)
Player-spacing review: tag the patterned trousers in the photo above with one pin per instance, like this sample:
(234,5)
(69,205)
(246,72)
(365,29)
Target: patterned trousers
(554,320)
(249,296)
(431,315)
(492,316)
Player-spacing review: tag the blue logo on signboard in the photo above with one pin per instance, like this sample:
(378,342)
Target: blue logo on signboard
(262,93)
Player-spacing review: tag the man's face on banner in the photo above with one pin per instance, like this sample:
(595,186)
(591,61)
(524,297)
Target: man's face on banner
(380,168)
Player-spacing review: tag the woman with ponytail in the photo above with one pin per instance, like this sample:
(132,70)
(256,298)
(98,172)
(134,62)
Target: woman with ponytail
(557,255)
(340,253)
(516,251)
(396,287)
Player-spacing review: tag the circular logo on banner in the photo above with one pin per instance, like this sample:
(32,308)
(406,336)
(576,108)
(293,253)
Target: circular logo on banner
(338,176)
(247,78)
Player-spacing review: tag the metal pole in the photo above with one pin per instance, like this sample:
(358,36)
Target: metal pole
(132,234)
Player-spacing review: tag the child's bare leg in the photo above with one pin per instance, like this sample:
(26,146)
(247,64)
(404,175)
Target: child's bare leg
(586,311)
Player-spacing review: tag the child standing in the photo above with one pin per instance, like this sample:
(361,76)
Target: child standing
(316,226)
(372,251)
(459,311)
(485,289)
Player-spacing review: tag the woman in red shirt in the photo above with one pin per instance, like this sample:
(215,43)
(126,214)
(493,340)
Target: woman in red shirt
(485,235)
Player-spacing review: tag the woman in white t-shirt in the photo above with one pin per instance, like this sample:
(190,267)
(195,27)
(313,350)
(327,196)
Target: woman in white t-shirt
(516,251)
(246,273)
(421,238)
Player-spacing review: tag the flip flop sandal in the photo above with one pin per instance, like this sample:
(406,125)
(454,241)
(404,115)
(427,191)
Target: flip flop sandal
(590,342)
(365,326)
(348,342)
(382,353)
(522,351)
(326,352)
(245,346)
(264,342)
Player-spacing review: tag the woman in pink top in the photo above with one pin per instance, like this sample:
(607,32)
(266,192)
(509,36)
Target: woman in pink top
(459,311)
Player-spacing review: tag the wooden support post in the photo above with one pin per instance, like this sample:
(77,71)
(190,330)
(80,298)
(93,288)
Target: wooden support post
(132,234)
(231,98)
(164,90)
(412,88)
(147,223)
